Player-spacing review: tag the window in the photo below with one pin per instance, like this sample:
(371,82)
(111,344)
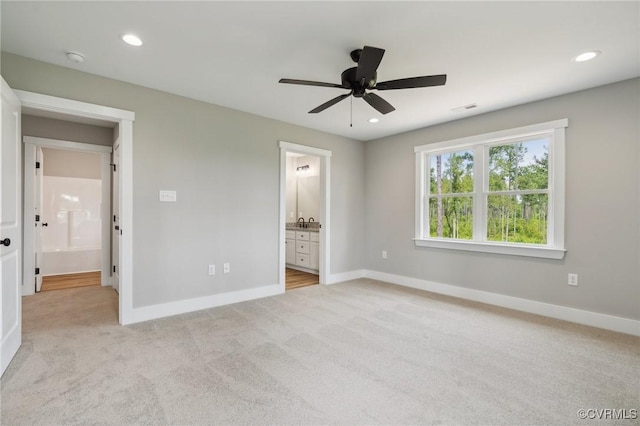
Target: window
(501,192)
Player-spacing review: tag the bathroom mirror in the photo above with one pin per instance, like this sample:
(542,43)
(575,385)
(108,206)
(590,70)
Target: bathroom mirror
(302,187)
(309,197)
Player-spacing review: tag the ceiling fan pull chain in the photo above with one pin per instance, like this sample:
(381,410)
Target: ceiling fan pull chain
(351,119)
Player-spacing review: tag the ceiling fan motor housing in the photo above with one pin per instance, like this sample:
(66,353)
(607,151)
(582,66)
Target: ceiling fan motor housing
(349,81)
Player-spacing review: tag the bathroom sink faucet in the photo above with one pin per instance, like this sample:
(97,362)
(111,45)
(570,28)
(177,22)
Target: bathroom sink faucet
(301,219)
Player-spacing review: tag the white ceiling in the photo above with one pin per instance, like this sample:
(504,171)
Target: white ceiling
(496,54)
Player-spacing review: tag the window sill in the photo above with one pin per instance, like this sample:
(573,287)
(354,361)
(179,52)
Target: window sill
(496,248)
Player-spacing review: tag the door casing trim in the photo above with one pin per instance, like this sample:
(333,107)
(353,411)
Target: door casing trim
(325,210)
(123,121)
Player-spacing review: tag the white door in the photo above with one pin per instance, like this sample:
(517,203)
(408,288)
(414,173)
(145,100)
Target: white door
(41,221)
(115,213)
(10,231)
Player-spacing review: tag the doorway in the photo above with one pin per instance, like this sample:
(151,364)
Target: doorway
(67,197)
(304,215)
(302,239)
(13,253)
(122,123)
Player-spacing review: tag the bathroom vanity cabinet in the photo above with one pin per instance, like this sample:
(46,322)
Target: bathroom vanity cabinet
(302,250)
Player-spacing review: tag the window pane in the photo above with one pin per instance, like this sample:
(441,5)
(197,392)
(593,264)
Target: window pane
(517,218)
(523,165)
(451,217)
(451,173)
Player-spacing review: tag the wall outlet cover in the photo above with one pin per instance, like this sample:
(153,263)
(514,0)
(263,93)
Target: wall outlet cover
(168,196)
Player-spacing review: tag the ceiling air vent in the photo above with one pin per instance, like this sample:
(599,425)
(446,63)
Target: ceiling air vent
(465,107)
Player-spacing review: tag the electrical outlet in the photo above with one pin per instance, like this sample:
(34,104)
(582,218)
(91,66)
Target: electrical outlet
(212,269)
(384,254)
(227,268)
(573,280)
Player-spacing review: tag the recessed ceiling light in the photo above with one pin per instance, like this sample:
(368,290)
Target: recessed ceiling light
(373,120)
(132,39)
(586,56)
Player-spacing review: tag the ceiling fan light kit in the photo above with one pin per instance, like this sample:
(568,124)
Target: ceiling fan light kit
(363,77)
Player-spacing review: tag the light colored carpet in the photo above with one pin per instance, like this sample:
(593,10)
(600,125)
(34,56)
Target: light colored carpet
(361,352)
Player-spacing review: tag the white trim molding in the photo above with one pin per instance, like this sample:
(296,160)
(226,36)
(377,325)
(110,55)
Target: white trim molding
(70,107)
(593,319)
(146,313)
(345,276)
(496,248)
(522,132)
(67,108)
(304,149)
(325,209)
(67,145)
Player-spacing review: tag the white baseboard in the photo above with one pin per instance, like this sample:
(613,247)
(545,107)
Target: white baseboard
(345,276)
(147,313)
(594,319)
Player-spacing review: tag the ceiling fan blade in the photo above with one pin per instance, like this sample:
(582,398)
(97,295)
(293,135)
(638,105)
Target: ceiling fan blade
(370,58)
(412,82)
(309,83)
(378,103)
(329,103)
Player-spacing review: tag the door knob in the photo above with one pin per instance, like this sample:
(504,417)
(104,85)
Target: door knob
(5,242)
(45,224)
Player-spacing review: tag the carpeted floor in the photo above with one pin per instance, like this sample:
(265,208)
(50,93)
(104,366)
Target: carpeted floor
(361,352)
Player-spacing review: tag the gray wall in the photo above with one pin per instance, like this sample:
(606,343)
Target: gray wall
(224,165)
(73,164)
(602,225)
(51,128)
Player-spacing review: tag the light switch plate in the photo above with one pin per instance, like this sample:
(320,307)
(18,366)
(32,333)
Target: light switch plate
(168,196)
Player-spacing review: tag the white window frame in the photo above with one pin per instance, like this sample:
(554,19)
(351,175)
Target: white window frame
(554,248)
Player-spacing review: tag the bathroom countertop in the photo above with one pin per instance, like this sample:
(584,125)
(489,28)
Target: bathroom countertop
(299,228)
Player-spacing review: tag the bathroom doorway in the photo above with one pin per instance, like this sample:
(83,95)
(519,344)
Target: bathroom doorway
(68,187)
(302,237)
(304,216)
(70,234)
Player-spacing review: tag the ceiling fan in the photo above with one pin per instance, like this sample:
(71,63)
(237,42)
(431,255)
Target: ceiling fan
(363,77)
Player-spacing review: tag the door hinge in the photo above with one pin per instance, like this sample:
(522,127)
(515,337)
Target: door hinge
(114,218)
(37,218)
(37,164)
(37,271)
(114,268)
(114,167)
